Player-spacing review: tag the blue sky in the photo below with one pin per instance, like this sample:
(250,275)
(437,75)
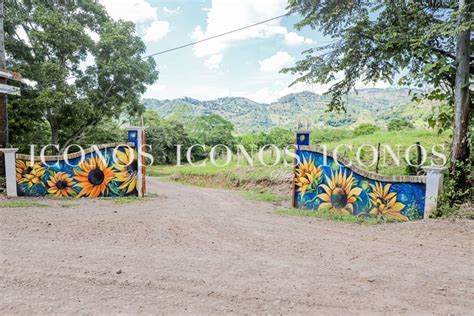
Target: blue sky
(243,64)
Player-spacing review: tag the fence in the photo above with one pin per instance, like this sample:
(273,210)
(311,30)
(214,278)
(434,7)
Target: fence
(108,170)
(323,184)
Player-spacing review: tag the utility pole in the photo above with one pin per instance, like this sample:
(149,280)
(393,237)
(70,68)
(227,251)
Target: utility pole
(3,97)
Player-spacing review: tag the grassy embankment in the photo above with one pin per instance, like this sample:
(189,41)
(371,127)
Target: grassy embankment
(325,215)
(272,183)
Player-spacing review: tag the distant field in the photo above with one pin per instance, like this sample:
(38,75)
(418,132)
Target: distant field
(403,139)
(258,172)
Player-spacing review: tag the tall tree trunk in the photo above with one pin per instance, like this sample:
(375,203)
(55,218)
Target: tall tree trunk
(462,102)
(3,97)
(54,134)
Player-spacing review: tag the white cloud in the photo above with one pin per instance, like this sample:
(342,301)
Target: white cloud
(276,62)
(269,95)
(155,91)
(174,11)
(214,61)
(293,39)
(156,31)
(227,15)
(130,10)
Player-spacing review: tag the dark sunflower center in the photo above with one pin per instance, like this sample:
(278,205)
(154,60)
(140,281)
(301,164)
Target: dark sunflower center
(133,167)
(339,198)
(96,177)
(382,201)
(27,171)
(61,184)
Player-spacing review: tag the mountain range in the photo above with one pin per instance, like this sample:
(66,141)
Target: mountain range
(377,106)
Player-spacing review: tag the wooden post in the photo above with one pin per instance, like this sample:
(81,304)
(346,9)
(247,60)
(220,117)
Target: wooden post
(302,138)
(293,185)
(143,160)
(418,156)
(378,159)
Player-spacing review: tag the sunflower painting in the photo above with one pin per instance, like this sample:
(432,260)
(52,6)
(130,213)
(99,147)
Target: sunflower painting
(93,177)
(384,203)
(127,170)
(340,189)
(60,184)
(339,193)
(28,173)
(307,177)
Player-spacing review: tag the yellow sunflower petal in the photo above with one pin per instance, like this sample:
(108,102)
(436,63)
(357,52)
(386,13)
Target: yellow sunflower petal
(324,197)
(397,215)
(397,207)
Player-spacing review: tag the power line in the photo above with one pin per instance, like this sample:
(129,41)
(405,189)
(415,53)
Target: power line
(216,36)
(186,45)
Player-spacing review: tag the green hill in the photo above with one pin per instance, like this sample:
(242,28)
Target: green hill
(376,106)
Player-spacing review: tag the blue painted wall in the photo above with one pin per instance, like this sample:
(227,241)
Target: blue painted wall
(91,178)
(336,188)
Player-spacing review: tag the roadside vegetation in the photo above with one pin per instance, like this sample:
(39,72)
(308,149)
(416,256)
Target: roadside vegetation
(325,215)
(22,204)
(272,181)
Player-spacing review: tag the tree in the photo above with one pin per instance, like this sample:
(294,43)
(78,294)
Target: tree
(365,129)
(212,130)
(399,124)
(151,119)
(108,131)
(47,42)
(163,138)
(281,137)
(427,41)
(3,97)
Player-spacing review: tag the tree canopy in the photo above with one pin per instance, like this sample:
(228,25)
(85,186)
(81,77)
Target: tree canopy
(381,40)
(82,66)
(426,44)
(212,130)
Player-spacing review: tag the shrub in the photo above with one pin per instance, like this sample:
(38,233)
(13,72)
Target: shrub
(399,124)
(365,129)
(329,135)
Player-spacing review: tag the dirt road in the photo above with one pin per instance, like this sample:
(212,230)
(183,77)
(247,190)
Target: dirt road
(196,250)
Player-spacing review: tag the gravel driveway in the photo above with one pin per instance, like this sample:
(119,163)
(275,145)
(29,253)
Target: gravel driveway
(196,250)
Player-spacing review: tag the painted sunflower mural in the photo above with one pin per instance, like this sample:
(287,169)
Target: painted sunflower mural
(127,170)
(385,202)
(93,177)
(325,185)
(308,177)
(340,193)
(60,184)
(29,174)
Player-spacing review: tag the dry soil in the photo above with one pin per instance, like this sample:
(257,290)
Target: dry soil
(210,251)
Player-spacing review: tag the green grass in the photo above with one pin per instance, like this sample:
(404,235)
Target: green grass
(21,204)
(234,171)
(68,205)
(125,199)
(259,172)
(404,138)
(264,196)
(328,216)
(267,176)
